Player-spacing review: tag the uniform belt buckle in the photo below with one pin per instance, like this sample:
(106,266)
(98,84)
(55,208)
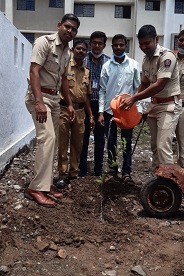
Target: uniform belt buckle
(55,92)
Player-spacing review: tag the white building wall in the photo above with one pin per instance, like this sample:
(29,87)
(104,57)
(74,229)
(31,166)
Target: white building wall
(43,19)
(144,17)
(16,127)
(69,6)
(155,18)
(104,21)
(9,9)
(173,23)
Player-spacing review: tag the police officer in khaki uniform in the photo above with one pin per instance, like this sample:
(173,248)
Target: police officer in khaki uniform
(71,133)
(180,126)
(160,80)
(49,60)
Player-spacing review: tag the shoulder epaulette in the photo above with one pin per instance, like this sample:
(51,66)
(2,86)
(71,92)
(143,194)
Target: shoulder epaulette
(162,52)
(49,37)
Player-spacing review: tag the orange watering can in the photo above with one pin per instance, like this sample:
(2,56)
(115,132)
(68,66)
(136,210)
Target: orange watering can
(125,119)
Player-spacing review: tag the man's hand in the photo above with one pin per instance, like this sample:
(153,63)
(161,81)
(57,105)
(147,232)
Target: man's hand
(41,112)
(92,123)
(126,103)
(101,120)
(71,113)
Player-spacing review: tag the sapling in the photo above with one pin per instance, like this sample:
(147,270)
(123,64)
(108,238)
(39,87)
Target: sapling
(114,161)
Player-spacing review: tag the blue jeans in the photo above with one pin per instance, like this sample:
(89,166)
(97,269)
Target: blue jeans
(99,142)
(111,134)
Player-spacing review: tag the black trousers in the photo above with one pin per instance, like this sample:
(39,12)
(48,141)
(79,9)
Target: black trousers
(99,143)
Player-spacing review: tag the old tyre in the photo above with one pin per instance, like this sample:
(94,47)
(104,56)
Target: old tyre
(161,197)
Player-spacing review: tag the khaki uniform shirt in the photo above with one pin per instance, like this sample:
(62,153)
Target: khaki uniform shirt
(79,82)
(181,75)
(163,64)
(53,56)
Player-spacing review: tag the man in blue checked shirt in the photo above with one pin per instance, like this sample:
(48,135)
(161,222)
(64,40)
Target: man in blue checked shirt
(94,61)
(119,75)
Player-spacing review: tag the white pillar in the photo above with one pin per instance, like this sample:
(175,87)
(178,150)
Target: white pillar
(68,6)
(9,10)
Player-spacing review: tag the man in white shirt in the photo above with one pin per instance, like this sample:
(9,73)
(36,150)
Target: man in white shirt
(119,75)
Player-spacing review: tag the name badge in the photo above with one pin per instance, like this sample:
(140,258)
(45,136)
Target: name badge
(95,84)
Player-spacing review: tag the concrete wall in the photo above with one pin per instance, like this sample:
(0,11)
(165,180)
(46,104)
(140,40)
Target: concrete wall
(172,27)
(165,21)
(16,127)
(40,20)
(2,6)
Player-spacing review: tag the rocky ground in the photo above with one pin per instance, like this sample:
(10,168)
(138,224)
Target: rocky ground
(96,229)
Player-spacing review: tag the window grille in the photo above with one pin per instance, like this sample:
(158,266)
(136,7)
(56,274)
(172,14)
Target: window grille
(127,46)
(26,5)
(152,5)
(122,11)
(179,6)
(175,42)
(29,36)
(56,3)
(84,10)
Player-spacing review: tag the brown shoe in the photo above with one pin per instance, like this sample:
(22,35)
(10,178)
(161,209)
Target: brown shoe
(39,197)
(53,192)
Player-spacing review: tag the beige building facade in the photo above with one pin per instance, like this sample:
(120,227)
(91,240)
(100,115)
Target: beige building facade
(37,17)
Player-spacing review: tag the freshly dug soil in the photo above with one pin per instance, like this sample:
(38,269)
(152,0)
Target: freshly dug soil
(95,229)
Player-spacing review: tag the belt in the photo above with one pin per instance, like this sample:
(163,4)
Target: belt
(164,100)
(75,105)
(49,91)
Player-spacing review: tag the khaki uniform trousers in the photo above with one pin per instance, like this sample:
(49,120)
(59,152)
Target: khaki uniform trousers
(162,120)
(47,136)
(70,137)
(180,139)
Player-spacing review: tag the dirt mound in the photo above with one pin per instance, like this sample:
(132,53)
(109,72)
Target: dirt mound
(95,229)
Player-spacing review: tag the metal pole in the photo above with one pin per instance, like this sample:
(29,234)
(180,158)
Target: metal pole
(138,135)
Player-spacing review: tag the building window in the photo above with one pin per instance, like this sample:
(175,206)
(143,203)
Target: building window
(16,51)
(127,46)
(29,36)
(56,3)
(84,10)
(179,6)
(122,11)
(175,42)
(26,5)
(152,5)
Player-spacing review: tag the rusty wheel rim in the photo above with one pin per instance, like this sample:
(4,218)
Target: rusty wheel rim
(161,198)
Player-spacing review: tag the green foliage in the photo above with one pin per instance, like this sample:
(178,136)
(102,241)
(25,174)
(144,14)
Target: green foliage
(114,163)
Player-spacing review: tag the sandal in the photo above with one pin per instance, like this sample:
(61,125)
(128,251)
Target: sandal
(126,178)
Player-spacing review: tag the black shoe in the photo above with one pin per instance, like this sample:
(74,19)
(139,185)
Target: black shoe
(62,183)
(72,177)
(82,174)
